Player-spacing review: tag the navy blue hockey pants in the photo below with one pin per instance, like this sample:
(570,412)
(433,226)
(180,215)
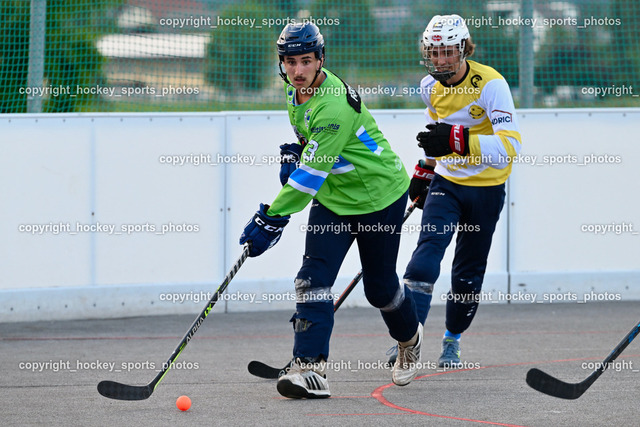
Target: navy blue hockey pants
(471,211)
(328,239)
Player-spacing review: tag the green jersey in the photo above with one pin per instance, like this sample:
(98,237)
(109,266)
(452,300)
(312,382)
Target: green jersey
(346,163)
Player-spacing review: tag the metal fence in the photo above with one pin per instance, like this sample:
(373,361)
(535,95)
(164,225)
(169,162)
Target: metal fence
(213,55)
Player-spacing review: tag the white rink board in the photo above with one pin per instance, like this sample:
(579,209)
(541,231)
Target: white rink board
(106,169)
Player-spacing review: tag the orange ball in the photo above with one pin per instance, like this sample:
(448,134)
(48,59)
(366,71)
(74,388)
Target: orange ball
(183,403)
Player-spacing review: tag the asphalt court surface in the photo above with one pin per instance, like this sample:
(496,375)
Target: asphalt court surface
(50,370)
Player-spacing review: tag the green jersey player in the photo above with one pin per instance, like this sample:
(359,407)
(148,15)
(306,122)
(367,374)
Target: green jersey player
(358,189)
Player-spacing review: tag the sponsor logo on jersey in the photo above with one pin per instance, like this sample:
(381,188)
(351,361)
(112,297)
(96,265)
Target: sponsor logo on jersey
(475,111)
(307,117)
(331,128)
(475,79)
(500,116)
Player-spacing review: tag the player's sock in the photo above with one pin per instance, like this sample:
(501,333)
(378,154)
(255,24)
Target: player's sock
(448,334)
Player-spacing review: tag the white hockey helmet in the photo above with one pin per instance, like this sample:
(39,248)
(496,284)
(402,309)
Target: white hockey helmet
(444,30)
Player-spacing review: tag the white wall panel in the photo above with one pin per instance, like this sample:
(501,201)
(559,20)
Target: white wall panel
(107,169)
(578,171)
(173,214)
(45,170)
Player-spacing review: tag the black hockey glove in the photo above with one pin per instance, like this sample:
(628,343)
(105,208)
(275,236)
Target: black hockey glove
(443,139)
(289,160)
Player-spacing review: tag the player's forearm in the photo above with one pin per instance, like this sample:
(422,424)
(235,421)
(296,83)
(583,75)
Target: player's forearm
(497,150)
(289,201)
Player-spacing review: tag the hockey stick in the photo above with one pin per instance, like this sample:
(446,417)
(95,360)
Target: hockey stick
(547,384)
(114,390)
(262,370)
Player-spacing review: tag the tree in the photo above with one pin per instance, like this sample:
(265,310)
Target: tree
(241,57)
(14,55)
(496,48)
(567,60)
(349,31)
(71,58)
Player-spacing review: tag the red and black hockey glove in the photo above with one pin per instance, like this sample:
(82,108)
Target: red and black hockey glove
(419,186)
(443,139)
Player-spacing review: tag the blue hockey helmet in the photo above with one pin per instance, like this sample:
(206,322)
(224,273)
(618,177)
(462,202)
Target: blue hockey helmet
(300,38)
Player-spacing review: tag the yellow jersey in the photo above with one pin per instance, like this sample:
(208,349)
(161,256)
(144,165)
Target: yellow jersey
(482,103)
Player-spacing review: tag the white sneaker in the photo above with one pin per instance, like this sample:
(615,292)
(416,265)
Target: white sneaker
(406,366)
(304,380)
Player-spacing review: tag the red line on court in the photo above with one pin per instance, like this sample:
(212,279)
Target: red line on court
(378,392)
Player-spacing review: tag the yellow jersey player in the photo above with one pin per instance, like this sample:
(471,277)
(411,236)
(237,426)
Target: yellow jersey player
(472,139)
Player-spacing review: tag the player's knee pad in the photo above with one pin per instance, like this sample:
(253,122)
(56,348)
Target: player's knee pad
(418,287)
(308,292)
(389,299)
(313,304)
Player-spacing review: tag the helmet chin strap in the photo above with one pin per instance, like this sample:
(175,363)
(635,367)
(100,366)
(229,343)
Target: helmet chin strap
(317,73)
(283,75)
(443,77)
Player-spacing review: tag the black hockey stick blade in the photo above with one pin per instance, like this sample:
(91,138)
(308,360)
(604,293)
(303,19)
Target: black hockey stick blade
(265,371)
(545,383)
(118,391)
